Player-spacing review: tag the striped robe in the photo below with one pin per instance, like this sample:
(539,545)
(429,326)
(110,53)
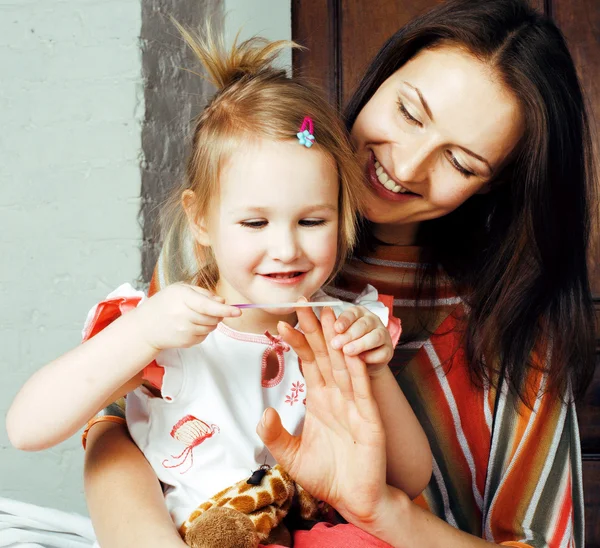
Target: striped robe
(502,471)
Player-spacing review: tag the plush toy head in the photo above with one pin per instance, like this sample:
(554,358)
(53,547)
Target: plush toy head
(246,514)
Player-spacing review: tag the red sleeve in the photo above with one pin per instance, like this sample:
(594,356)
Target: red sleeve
(394,325)
(106,312)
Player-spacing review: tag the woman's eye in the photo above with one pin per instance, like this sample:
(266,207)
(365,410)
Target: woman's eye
(312,222)
(407,115)
(254,224)
(464,172)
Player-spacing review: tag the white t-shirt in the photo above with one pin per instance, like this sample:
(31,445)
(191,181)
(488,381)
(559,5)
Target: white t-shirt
(200,437)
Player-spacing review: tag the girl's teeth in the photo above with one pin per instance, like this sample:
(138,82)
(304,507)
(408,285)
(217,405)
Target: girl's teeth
(379,171)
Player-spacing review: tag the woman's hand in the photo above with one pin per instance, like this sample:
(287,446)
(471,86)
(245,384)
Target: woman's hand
(359,332)
(340,456)
(181,316)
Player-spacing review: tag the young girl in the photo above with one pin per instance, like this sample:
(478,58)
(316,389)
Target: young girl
(268,211)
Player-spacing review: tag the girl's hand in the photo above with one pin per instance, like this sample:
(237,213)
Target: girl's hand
(359,332)
(340,457)
(181,316)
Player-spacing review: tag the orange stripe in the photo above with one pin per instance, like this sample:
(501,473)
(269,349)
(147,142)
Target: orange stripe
(470,402)
(95,420)
(564,516)
(519,485)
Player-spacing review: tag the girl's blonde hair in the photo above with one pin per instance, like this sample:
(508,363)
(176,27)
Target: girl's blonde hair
(254,100)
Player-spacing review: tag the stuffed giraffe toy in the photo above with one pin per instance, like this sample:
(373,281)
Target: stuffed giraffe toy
(251,512)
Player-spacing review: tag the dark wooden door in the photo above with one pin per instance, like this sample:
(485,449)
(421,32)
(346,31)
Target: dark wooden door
(342,36)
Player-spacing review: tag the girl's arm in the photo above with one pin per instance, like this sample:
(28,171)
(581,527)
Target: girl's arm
(62,396)
(124,497)
(409,460)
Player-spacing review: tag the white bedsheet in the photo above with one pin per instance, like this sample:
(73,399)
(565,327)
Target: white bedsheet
(26,525)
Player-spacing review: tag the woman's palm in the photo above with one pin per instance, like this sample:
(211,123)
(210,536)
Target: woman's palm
(340,456)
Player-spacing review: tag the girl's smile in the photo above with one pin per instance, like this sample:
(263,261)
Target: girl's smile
(285,278)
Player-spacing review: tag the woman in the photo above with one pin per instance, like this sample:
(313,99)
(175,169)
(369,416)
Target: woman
(479,175)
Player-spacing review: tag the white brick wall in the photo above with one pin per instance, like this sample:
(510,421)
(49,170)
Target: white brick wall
(70,108)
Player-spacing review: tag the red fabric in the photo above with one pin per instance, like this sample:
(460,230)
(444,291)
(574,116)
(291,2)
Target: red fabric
(154,374)
(107,312)
(394,325)
(325,535)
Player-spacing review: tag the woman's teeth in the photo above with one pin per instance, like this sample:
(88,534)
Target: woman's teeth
(388,183)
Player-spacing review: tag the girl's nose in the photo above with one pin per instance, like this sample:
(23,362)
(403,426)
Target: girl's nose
(284,246)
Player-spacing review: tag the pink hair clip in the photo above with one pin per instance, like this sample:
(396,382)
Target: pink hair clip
(306,134)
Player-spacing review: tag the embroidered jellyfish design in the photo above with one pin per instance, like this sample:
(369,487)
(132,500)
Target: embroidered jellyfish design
(192,432)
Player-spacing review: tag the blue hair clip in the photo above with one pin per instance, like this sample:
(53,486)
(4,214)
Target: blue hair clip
(305,135)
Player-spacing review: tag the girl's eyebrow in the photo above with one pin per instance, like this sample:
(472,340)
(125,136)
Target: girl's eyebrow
(264,210)
(429,113)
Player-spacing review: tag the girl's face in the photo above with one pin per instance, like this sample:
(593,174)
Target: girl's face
(274,226)
(433,135)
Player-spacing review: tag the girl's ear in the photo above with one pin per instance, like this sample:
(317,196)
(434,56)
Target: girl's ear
(197,225)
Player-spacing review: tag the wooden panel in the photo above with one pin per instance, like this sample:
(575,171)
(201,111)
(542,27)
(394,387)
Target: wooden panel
(580,20)
(597,309)
(315,26)
(374,22)
(591,476)
(588,413)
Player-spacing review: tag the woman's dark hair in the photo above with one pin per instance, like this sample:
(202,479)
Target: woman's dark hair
(519,253)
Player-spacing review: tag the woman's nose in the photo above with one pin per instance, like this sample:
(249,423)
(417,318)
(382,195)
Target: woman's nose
(411,161)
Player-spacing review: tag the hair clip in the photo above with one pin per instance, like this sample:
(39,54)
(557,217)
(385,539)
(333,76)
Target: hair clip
(305,135)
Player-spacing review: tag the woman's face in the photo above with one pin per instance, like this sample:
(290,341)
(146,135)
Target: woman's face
(435,133)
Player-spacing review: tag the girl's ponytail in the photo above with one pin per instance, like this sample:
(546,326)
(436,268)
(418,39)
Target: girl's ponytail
(251,58)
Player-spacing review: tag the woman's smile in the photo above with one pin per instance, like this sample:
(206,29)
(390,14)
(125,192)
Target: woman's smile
(384,185)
